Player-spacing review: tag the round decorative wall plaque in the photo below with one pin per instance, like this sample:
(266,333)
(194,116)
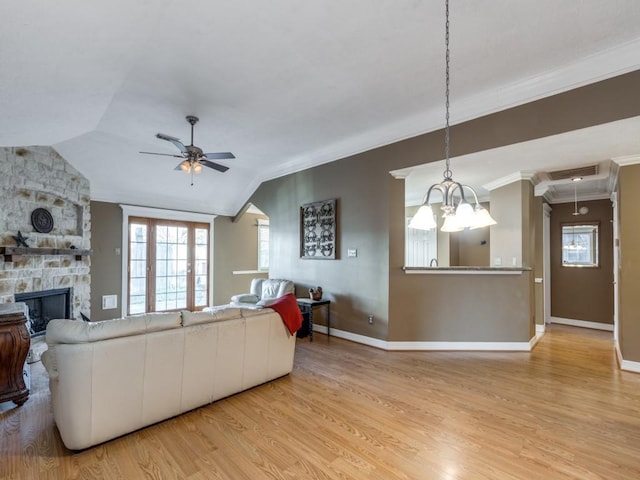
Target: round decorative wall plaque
(42,220)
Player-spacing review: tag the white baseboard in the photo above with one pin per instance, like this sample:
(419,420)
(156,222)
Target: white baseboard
(540,329)
(431,346)
(626,364)
(581,323)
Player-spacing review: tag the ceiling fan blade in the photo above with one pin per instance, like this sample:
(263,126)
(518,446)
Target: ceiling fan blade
(174,140)
(215,166)
(218,155)
(163,154)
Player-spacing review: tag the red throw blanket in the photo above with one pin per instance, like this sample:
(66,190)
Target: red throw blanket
(287,308)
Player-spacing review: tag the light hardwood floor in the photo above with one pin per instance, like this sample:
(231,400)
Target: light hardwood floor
(351,411)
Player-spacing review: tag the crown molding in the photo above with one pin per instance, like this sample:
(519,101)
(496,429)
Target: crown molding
(514,177)
(600,66)
(400,174)
(626,160)
(583,198)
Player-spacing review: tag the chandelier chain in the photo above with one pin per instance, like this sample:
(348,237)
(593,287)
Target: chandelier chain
(447,136)
(455,217)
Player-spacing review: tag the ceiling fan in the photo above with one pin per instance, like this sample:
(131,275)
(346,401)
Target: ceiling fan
(193,156)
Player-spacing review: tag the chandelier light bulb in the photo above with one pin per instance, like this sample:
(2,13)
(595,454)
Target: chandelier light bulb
(424,219)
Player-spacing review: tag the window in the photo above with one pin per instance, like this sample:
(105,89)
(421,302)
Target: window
(580,245)
(421,246)
(168,265)
(263,245)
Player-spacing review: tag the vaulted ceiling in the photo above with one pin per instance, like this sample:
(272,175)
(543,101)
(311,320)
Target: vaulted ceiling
(284,85)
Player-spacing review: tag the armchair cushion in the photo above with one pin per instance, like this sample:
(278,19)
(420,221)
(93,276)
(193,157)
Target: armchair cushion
(276,288)
(263,292)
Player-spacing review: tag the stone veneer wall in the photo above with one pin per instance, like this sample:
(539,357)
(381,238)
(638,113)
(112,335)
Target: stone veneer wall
(33,177)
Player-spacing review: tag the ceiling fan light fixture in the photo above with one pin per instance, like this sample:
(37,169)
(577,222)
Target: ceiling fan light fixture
(193,156)
(185,166)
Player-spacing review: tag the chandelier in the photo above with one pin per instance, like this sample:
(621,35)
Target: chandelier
(458,213)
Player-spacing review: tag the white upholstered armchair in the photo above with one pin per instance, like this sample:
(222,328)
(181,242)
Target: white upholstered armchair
(263,292)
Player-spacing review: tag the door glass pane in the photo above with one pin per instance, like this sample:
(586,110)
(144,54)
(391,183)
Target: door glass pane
(201,262)
(137,304)
(171,267)
(137,267)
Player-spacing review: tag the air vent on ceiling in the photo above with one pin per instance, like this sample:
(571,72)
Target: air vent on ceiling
(573,173)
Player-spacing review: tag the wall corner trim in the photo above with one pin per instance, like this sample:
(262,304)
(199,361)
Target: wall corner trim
(431,346)
(626,365)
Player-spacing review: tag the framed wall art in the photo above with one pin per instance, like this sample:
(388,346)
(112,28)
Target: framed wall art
(318,230)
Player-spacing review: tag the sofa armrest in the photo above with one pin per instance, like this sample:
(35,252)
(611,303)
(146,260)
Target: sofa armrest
(245,298)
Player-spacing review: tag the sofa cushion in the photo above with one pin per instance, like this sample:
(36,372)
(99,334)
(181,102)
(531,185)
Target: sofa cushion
(76,331)
(208,315)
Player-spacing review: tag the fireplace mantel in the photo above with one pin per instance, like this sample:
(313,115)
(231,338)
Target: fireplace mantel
(13,253)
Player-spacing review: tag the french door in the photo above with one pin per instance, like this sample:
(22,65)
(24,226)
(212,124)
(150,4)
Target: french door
(168,267)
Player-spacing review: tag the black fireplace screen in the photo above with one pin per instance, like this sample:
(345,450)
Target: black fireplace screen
(44,306)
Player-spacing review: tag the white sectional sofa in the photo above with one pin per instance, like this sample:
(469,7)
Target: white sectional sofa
(112,377)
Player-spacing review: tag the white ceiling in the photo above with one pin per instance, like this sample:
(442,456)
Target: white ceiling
(284,85)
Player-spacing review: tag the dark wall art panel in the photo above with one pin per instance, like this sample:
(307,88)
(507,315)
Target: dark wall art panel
(318,230)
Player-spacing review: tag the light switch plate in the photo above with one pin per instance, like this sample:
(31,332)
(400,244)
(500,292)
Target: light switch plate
(109,302)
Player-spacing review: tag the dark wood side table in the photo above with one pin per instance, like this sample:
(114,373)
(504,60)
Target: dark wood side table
(14,347)
(307,305)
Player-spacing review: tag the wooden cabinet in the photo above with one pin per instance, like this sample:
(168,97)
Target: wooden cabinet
(14,347)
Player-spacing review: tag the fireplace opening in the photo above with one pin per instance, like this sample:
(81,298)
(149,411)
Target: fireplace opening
(45,306)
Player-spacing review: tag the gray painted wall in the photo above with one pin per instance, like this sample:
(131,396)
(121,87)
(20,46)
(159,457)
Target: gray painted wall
(356,286)
(629,279)
(106,264)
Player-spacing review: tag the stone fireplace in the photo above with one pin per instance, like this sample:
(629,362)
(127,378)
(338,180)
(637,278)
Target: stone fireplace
(33,178)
